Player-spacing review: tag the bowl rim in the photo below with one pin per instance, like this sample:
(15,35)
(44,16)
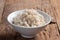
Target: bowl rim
(30,27)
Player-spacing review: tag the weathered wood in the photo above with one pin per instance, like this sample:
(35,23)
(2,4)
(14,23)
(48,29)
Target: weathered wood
(56,5)
(47,7)
(2,3)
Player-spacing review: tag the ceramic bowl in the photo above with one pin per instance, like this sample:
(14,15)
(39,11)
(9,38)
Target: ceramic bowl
(31,31)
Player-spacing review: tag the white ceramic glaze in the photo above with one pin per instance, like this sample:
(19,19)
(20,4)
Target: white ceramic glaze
(31,31)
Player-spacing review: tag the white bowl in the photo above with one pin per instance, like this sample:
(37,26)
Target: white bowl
(31,31)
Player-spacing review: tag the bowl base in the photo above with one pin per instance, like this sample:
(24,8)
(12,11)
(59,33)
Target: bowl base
(25,36)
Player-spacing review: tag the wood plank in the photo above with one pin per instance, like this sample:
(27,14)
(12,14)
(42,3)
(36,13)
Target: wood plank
(45,5)
(57,11)
(2,3)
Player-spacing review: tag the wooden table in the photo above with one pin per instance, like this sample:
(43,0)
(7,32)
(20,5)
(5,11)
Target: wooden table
(52,7)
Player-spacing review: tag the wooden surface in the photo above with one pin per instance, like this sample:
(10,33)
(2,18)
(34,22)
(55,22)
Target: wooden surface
(52,7)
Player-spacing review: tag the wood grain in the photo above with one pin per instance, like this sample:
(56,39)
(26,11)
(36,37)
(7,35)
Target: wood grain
(47,7)
(51,32)
(2,2)
(57,11)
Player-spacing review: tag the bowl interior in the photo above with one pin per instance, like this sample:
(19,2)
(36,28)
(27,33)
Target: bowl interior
(46,16)
(12,15)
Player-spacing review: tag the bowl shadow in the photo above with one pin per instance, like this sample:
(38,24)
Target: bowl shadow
(17,36)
